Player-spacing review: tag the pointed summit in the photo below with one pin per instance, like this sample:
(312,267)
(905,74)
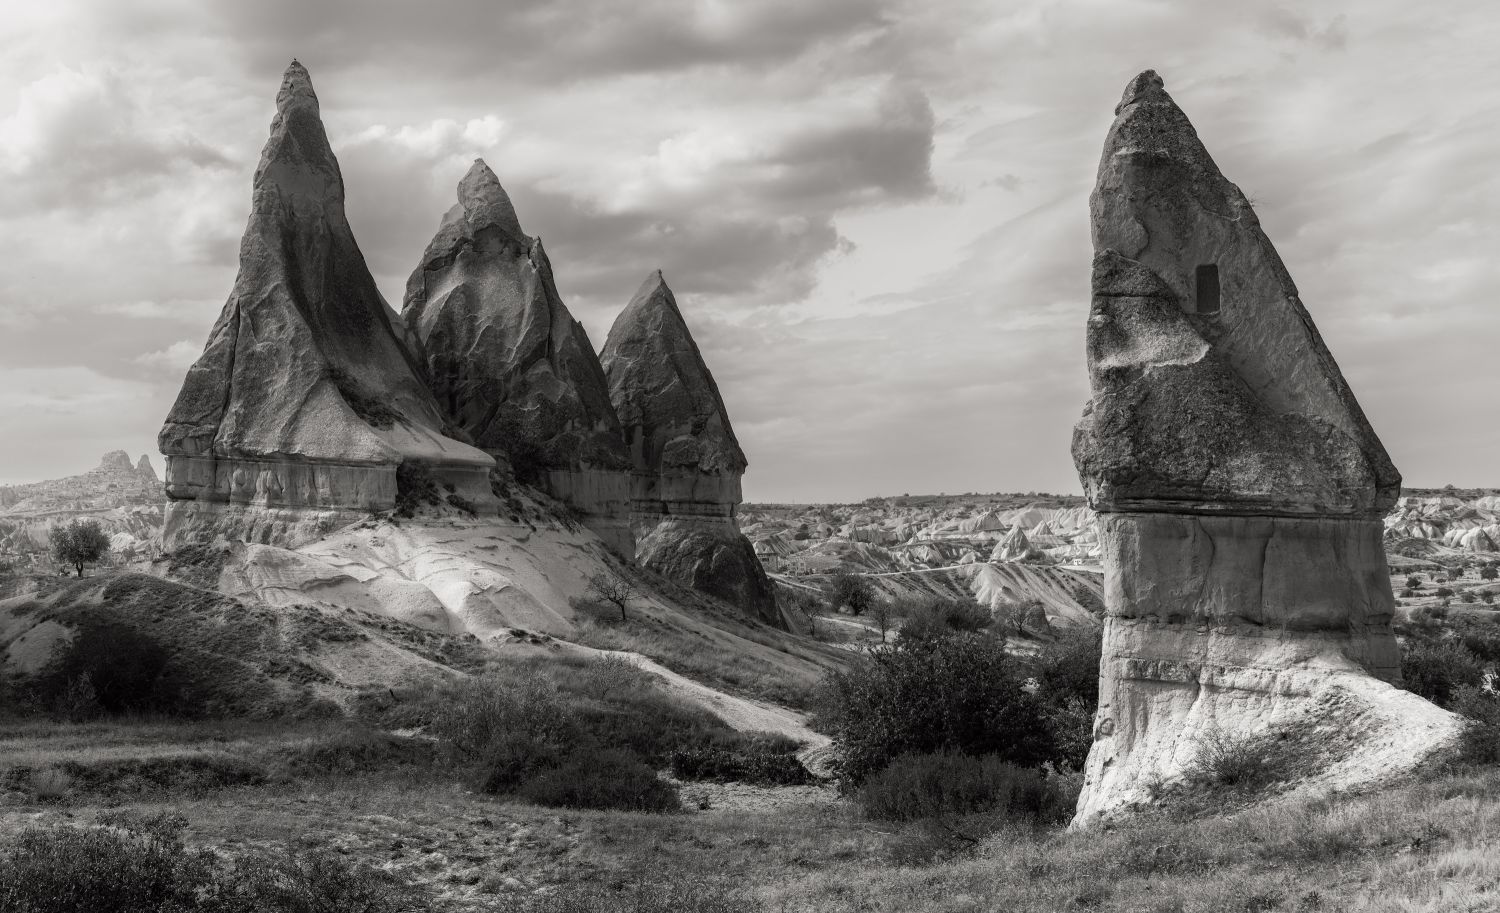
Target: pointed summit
(1194,314)
(668,403)
(485,203)
(145,470)
(508,362)
(687,460)
(304,395)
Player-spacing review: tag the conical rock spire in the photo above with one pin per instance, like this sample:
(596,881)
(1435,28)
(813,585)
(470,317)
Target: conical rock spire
(304,394)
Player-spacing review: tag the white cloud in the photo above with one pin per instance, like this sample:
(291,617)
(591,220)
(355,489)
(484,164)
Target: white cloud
(177,357)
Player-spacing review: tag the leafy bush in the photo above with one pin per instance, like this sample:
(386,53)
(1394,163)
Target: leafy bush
(607,779)
(679,895)
(851,591)
(932,619)
(957,692)
(359,751)
(192,774)
(1481,739)
(142,865)
(945,783)
(1437,669)
(766,760)
(1066,672)
(415,487)
(1243,763)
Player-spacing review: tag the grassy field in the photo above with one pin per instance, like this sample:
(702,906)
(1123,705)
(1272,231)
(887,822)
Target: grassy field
(1429,846)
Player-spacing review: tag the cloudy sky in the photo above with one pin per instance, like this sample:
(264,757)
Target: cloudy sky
(874,213)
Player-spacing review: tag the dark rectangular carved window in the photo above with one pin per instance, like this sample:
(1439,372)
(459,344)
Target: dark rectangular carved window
(1208,289)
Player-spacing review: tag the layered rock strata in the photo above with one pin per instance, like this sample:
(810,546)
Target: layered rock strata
(688,463)
(305,400)
(507,360)
(1240,488)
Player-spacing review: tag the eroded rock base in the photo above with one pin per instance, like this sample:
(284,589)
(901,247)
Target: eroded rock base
(713,557)
(1241,626)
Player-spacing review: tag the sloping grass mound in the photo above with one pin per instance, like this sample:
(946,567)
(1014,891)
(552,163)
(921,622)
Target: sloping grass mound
(143,645)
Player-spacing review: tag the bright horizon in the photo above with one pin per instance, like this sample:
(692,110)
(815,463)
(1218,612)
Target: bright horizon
(874,215)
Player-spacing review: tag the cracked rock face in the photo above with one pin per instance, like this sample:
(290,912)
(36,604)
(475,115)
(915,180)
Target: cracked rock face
(507,360)
(1240,490)
(687,461)
(305,395)
(503,354)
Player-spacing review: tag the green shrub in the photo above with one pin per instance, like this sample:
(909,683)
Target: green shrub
(1243,763)
(765,760)
(679,895)
(1437,669)
(1066,672)
(929,620)
(957,692)
(851,591)
(945,783)
(359,751)
(415,487)
(142,865)
(1481,738)
(607,779)
(191,774)
(1484,643)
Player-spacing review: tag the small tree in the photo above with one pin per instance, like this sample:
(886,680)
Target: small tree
(1444,592)
(80,542)
(882,613)
(615,590)
(1413,582)
(1489,572)
(852,591)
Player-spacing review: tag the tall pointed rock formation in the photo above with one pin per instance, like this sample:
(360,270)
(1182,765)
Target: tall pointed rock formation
(1239,485)
(305,398)
(688,463)
(507,360)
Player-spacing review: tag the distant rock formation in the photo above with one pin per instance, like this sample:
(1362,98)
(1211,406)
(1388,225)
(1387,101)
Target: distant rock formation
(145,470)
(508,361)
(115,461)
(305,400)
(1014,547)
(687,460)
(1240,488)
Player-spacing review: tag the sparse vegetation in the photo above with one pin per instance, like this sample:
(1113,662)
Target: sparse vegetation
(960,692)
(615,590)
(80,543)
(1437,669)
(948,785)
(850,591)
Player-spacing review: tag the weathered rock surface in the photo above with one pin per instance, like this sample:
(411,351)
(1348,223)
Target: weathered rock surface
(1013,547)
(1239,485)
(145,470)
(508,361)
(688,463)
(305,397)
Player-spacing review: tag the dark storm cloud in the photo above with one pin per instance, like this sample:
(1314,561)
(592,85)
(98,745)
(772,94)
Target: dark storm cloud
(552,42)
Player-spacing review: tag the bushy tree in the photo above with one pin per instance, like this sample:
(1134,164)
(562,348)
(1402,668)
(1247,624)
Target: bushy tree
(80,542)
(1413,581)
(851,590)
(960,693)
(1489,572)
(1437,669)
(931,619)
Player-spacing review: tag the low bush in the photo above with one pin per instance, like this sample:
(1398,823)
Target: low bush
(358,751)
(142,865)
(1436,669)
(685,895)
(764,760)
(928,620)
(180,774)
(945,783)
(1243,763)
(607,779)
(1481,738)
(1066,673)
(959,692)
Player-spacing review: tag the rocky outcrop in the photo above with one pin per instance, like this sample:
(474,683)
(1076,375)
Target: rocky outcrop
(507,360)
(306,399)
(145,470)
(1014,547)
(688,463)
(1239,485)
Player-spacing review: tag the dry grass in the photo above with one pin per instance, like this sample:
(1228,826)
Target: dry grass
(1432,846)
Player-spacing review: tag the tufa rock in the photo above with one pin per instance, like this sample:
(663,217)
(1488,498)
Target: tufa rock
(1240,490)
(687,460)
(114,461)
(145,470)
(505,357)
(305,397)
